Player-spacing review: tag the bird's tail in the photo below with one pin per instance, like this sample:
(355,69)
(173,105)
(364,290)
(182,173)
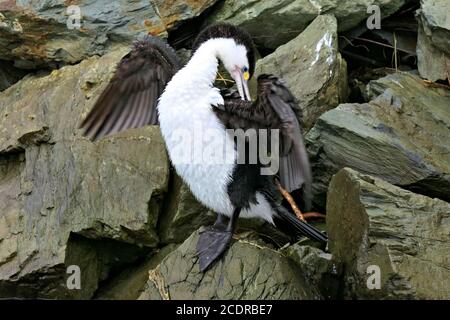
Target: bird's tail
(301,227)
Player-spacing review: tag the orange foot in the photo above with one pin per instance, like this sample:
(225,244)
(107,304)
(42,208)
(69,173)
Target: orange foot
(298,213)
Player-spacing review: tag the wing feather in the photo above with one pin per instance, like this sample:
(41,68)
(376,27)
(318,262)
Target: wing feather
(295,169)
(131,97)
(274,109)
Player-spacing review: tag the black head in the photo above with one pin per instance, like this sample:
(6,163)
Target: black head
(226,30)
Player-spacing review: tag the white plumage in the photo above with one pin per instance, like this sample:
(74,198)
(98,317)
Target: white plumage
(185,107)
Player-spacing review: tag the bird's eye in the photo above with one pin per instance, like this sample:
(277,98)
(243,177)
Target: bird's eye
(245,73)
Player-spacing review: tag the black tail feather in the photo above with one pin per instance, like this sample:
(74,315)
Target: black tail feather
(300,226)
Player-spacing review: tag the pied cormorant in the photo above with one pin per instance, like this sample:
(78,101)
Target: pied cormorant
(151,86)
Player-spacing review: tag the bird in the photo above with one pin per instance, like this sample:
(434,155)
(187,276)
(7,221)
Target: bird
(151,86)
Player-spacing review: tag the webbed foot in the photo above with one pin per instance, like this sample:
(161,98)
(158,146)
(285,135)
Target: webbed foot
(211,244)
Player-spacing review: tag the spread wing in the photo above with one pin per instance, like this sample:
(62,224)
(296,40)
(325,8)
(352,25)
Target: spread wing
(274,109)
(295,170)
(131,97)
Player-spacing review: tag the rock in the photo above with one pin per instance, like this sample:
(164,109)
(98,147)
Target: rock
(312,67)
(129,284)
(433,42)
(376,228)
(434,16)
(47,33)
(259,231)
(433,64)
(57,187)
(173,12)
(401,136)
(97,261)
(70,93)
(317,266)
(273,23)
(247,271)
(183,214)
(9,75)
(113,213)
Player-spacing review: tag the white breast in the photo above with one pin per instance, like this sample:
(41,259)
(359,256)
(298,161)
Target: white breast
(187,123)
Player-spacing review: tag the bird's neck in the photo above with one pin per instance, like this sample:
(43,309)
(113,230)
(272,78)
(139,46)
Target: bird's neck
(205,61)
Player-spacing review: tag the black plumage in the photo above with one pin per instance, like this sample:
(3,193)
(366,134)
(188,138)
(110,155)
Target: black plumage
(273,109)
(226,30)
(130,99)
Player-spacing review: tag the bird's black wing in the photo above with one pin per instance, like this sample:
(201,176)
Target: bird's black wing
(131,97)
(240,114)
(295,169)
(274,109)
